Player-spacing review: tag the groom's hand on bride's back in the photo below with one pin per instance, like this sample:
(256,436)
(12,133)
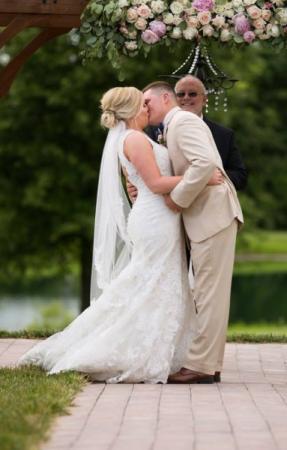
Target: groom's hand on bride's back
(171,205)
(217,178)
(132,191)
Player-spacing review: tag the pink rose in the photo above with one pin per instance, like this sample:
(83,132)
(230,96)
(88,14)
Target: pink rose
(144,11)
(249,37)
(268,5)
(158,27)
(254,12)
(204,17)
(192,21)
(149,37)
(241,24)
(203,5)
(259,24)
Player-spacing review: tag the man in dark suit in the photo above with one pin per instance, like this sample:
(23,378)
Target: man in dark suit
(191,95)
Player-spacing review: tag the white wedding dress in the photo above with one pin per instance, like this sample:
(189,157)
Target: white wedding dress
(139,328)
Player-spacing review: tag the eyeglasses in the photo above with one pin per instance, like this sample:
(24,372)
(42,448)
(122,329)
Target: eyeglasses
(182,94)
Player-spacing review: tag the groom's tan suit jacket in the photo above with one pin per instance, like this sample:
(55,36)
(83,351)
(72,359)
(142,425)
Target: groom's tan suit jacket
(193,153)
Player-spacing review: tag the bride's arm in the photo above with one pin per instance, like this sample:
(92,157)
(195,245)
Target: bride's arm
(139,152)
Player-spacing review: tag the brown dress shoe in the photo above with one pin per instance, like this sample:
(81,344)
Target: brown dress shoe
(186,376)
(217,377)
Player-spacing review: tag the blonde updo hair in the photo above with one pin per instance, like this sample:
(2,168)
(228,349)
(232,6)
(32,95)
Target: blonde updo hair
(120,103)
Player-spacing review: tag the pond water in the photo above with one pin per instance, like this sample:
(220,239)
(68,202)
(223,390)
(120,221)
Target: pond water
(18,312)
(255,298)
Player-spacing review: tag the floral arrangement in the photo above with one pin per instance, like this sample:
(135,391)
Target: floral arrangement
(117,27)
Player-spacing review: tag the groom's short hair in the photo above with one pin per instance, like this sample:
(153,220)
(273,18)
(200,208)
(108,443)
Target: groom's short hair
(159,86)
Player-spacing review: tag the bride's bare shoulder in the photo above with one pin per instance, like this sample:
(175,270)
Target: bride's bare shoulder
(138,138)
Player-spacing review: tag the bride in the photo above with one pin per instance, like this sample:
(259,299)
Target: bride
(138,326)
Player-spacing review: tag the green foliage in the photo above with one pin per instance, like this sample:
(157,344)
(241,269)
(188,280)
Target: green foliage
(121,25)
(29,401)
(259,297)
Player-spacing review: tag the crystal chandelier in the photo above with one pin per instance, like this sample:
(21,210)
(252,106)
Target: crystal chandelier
(200,64)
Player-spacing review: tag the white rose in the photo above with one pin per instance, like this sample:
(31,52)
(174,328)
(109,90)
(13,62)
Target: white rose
(123,3)
(138,2)
(177,20)
(264,37)
(249,2)
(157,6)
(229,13)
(176,33)
(254,12)
(131,45)
(184,2)
(266,14)
(141,24)
(204,17)
(190,11)
(207,30)
(225,35)
(278,2)
(237,3)
(168,18)
(274,31)
(132,15)
(189,33)
(176,8)
(218,21)
(282,16)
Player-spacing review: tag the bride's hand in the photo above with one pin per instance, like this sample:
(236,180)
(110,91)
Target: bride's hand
(217,178)
(171,205)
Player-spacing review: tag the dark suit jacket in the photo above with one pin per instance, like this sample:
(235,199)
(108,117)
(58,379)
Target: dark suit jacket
(229,152)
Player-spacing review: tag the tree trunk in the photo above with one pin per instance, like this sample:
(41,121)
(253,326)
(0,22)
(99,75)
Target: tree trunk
(86,265)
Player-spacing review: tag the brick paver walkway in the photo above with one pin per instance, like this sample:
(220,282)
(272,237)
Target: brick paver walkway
(247,411)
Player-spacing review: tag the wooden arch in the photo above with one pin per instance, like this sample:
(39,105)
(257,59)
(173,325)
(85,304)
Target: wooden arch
(53,17)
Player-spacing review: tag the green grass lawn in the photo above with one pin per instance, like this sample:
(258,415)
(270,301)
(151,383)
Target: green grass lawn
(29,401)
(261,241)
(257,332)
(253,332)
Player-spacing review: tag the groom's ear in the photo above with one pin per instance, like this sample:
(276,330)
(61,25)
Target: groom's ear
(166,97)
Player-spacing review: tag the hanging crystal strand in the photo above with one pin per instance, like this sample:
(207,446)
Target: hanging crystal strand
(184,63)
(206,106)
(216,99)
(195,61)
(225,102)
(209,62)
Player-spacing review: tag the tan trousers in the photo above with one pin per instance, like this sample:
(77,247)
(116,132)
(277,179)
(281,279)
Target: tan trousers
(212,262)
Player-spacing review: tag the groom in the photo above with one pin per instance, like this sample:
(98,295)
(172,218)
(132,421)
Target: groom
(211,215)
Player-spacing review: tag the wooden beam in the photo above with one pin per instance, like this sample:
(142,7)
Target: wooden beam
(15,26)
(8,74)
(43,20)
(68,7)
